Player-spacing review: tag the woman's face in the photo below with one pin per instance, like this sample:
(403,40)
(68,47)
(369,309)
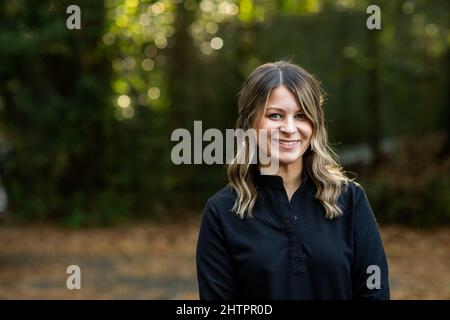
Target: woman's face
(284,114)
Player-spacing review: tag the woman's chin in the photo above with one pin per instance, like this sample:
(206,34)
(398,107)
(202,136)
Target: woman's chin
(286,159)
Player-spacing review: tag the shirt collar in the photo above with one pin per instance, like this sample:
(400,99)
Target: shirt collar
(275,181)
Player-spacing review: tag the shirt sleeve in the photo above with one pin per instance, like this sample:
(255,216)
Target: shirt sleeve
(370,269)
(215,274)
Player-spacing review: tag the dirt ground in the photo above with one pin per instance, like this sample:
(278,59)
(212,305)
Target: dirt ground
(151,261)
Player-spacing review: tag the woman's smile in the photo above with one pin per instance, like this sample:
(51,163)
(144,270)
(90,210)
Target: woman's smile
(287,144)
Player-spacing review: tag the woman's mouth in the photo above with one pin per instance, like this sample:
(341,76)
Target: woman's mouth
(288,144)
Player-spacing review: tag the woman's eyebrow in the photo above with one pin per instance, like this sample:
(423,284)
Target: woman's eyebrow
(282,110)
(275,108)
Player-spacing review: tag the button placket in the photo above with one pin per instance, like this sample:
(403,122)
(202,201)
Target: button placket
(295,245)
(291,221)
(297,257)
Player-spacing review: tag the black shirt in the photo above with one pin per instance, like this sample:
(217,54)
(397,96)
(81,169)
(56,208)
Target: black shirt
(289,250)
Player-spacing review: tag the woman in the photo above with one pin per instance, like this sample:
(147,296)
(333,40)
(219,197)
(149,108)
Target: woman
(307,232)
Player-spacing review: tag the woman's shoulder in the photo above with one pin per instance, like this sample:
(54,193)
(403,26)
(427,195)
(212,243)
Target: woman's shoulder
(218,207)
(353,188)
(222,200)
(351,193)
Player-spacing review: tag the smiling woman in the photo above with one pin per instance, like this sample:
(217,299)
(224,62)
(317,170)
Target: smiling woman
(307,232)
(285,116)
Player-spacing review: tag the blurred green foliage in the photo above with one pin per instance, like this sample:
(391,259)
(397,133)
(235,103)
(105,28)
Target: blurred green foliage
(86,115)
(412,188)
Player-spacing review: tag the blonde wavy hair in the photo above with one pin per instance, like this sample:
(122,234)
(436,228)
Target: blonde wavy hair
(327,175)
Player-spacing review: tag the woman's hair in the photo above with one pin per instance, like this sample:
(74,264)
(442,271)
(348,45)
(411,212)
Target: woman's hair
(327,175)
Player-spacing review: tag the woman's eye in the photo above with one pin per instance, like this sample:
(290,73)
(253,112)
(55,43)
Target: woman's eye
(301,116)
(275,116)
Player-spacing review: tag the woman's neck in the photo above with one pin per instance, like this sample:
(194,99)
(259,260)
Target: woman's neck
(292,175)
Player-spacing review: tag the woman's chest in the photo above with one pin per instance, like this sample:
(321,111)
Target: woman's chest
(291,242)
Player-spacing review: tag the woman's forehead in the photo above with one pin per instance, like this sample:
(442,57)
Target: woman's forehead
(283,99)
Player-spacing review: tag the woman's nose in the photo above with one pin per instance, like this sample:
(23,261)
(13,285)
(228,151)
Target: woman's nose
(288,126)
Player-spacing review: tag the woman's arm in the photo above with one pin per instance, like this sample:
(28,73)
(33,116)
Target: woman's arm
(215,274)
(370,268)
